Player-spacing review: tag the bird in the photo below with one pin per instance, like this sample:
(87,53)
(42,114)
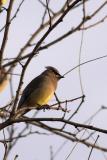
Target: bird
(4,79)
(2,2)
(41,89)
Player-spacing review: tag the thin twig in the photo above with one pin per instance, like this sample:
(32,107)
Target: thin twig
(93,148)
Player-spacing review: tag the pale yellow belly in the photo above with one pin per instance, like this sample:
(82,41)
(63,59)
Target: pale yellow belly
(40,97)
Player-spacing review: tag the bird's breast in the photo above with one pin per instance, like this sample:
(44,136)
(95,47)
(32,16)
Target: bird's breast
(41,95)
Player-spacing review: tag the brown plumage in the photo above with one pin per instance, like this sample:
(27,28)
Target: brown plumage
(41,89)
(4,79)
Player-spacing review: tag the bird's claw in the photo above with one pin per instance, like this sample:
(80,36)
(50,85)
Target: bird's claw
(46,106)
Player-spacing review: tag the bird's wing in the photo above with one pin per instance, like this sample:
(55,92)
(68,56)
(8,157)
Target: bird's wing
(35,83)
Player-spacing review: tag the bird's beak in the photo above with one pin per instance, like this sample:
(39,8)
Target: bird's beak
(61,76)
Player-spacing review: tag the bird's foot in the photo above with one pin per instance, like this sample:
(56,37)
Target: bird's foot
(46,106)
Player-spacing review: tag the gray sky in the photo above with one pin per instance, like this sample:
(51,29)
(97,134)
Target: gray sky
(64,56)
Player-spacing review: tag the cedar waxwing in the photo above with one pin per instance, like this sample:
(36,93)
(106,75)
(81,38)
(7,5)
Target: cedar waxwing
(2,2)
(4,79)
(41,89)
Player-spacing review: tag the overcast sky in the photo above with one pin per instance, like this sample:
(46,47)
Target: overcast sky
(64,56)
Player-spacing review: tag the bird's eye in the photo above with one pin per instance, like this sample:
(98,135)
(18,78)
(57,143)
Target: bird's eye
(57,75)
